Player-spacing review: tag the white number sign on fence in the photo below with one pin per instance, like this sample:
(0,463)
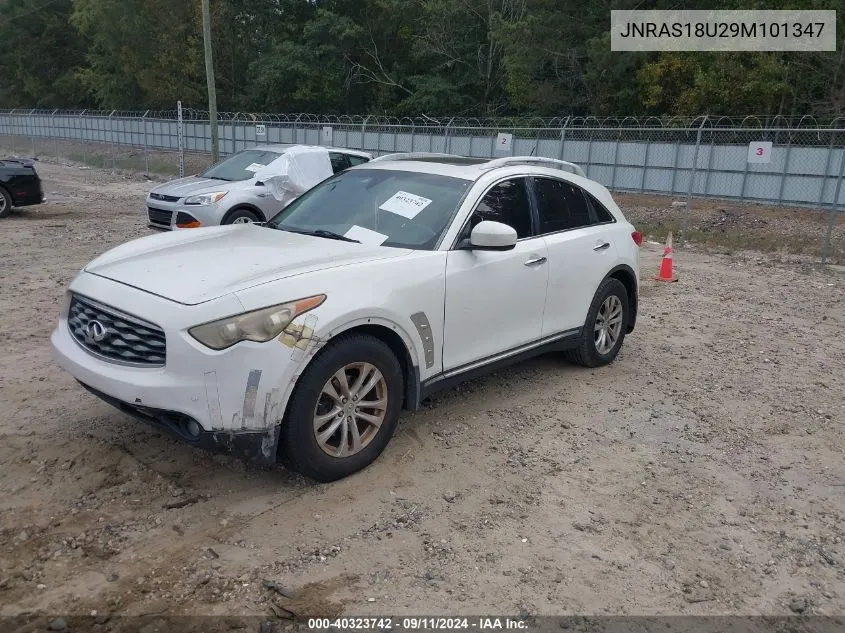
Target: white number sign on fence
(504,142)
(328,135)
(760,152)
(260,130)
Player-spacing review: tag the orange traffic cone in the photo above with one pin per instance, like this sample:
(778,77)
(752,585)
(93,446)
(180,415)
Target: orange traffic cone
(666,264)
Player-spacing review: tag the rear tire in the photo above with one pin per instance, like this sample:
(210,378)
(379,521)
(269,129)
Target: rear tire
(240,216)
(331,429)
(609,313)
(5,203)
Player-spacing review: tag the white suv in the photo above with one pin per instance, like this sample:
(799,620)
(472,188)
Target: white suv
(304,338)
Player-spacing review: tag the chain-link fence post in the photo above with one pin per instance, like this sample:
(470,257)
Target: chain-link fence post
(180,139)
(563,137)
(688,205)
(834,206)
(364,134)
(12,130)
(53,132)
(111,143)
(146,154)
(785,165)
(82,136)
(645,163)
(31,133)
(744,180)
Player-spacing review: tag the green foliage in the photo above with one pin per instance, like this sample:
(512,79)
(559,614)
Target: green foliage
(39,55)
(399,57)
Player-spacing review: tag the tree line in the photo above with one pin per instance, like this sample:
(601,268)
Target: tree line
(482,58)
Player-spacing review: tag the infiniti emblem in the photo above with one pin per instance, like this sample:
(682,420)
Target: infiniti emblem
(95,332)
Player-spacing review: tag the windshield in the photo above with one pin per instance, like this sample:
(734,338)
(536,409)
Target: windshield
(373,206)
(241,166)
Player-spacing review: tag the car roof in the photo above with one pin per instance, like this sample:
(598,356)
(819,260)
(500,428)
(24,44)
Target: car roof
(468,167)
(474,169)
(283,147)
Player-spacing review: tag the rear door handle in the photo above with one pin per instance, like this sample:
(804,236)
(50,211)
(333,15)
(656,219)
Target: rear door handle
(601,247)
(534,261)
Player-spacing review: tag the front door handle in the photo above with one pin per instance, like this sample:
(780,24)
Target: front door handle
(534,261)
(601,247)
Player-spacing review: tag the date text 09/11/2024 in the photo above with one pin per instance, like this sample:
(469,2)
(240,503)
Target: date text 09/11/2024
(417,623)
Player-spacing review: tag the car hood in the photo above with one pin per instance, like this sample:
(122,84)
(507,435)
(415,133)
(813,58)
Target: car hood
(193,185)
(191,267)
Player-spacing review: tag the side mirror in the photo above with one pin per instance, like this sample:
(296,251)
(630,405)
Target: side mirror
(258,183)
(491,236)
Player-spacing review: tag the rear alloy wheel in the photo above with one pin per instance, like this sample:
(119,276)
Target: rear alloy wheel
(5,203)
(241,216)
(344,409)
(604,331)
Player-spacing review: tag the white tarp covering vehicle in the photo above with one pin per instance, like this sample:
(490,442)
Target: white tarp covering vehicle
(249,186)
(295,172)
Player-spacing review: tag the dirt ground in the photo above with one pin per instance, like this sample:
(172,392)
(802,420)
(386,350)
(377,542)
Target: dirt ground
(701,473)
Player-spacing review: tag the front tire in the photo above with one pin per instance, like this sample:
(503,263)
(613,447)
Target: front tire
(5,203)
(344,409)
(240,216)
(605,328)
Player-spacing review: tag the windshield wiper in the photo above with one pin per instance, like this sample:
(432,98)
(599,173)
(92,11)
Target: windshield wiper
(317,233)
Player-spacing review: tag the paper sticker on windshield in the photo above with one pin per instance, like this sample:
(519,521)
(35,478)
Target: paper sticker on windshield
(365,236)
(405,204)
(254,167)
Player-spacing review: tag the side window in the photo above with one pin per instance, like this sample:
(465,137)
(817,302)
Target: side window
(338,161)
(356,160)
(507,203)
(599,210)
(561,206)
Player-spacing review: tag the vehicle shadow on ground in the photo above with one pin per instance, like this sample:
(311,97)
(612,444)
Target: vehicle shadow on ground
(187,466)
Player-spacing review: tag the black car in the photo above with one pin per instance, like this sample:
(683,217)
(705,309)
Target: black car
(20,185)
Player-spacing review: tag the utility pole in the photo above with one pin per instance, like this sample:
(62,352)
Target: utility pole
(209,77)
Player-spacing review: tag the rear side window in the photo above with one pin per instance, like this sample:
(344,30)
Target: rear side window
(507,203)
(561,206)
(339,162)
(600,212)
(356,160)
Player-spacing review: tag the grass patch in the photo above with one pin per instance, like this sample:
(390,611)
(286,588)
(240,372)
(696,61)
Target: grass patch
(742,240)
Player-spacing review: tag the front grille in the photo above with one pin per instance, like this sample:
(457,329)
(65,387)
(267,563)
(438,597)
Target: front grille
(162,197)
(159,217)
(122,338)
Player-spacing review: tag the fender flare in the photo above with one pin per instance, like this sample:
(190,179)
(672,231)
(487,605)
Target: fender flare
(633,299)
(250,207)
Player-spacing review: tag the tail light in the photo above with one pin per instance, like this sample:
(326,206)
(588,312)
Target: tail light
(637,236)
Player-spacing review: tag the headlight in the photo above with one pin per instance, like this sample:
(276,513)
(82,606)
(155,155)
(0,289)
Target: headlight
(206,198)
(259,325)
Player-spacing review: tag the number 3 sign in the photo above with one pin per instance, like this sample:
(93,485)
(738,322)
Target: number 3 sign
(760,152)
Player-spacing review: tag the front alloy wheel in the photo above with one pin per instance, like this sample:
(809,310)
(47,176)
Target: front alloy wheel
(343,410)
(350,410)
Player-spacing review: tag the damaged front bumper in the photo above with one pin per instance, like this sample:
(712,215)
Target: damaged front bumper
(231,401)
(260,446)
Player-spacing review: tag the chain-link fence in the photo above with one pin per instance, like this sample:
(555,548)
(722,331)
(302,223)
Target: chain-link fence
(706,157)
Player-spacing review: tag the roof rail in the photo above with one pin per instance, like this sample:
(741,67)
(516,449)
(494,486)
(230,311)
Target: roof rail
(537,160)
(412,156)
